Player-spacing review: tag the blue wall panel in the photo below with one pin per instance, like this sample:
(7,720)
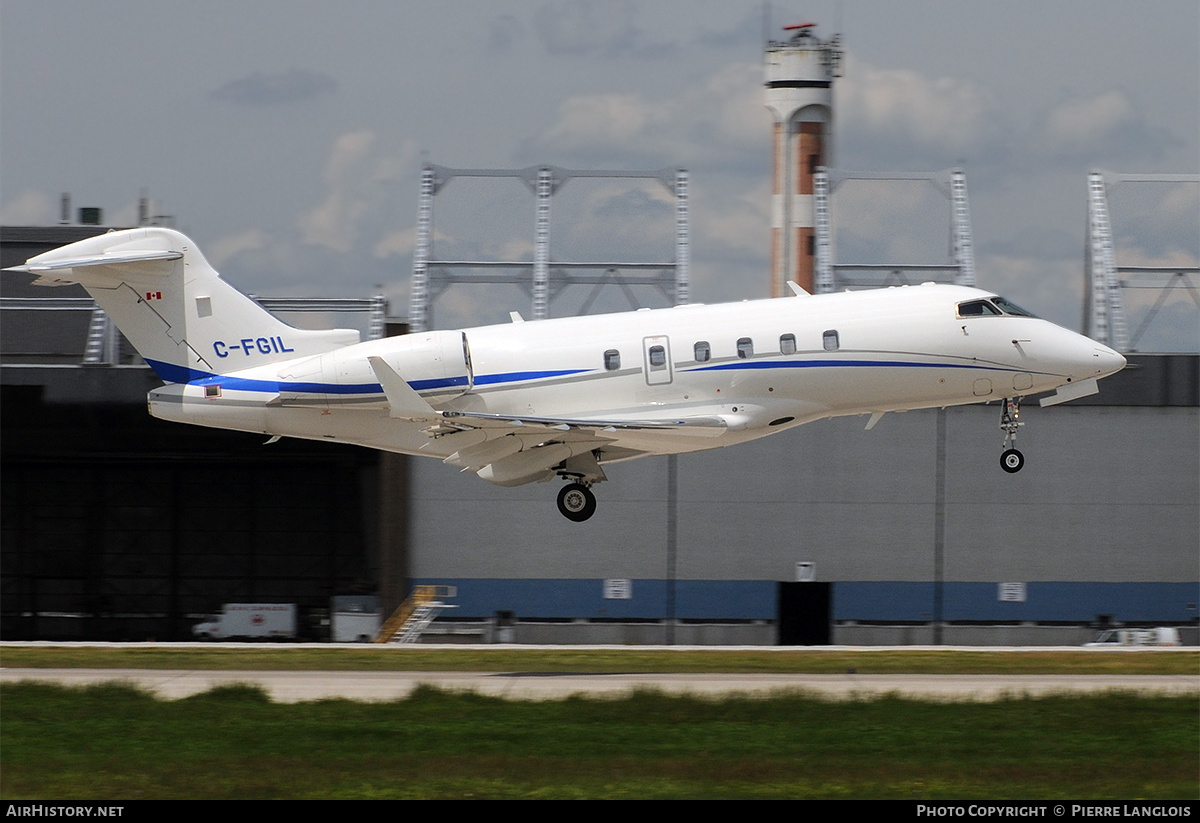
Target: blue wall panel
(876,601)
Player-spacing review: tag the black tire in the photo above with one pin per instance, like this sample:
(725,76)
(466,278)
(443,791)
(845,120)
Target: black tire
(1012,461)
(576,502)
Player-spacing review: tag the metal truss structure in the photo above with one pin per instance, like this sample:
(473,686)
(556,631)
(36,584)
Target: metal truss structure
(831,276)
(1103,304)
(543,277)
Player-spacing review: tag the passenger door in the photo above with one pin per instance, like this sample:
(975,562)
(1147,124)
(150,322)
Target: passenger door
(656,358)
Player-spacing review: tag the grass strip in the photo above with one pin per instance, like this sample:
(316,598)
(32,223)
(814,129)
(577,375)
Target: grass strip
(603,660)
(114,742)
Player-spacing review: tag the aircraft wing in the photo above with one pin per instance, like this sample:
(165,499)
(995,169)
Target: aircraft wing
(407,404)
(510,450)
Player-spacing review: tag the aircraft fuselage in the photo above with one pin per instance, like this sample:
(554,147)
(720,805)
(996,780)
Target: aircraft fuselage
(757,367)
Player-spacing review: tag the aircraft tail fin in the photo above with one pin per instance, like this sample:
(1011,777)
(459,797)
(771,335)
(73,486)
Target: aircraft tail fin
(174,308)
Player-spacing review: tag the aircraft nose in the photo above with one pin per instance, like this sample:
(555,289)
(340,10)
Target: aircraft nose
(1083,358)
(1107,361)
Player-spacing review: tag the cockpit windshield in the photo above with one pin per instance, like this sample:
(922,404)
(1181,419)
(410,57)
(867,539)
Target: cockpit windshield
(1012,308)
(993,307)
(977,308)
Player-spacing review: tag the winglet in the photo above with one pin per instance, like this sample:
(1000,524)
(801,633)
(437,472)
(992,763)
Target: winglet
(403,399)
(796,289)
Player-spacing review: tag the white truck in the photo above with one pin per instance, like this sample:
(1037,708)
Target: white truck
(1163,636)
(255,621)
(354,626)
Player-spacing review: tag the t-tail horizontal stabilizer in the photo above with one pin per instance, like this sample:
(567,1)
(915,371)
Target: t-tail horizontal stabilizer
(124,257)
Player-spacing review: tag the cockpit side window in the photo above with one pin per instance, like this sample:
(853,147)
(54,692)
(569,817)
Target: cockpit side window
(1012,308)
(977,308)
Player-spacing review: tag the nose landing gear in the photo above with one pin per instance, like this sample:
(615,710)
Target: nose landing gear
(576,502)
(1011,460)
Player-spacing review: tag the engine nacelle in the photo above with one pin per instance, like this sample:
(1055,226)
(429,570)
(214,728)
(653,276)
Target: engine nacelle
(437,364)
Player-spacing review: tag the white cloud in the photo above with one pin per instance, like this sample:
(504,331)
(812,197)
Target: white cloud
(943,112)
(517,248)
(718,121)
(600,120)
(402,242)
(1080,123)
(362,179)
(29,208)
(397,243)
(219,251)
(742,225)
(1182,202)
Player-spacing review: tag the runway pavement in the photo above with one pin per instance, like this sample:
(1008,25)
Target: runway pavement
(297,686)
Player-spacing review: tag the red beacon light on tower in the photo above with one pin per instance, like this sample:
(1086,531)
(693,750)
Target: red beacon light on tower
(801,29)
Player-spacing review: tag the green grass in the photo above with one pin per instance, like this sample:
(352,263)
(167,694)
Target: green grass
(113,742)
(560,660)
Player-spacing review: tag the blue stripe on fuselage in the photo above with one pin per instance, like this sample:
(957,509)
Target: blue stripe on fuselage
(181,374)
(518,376)
(815,364)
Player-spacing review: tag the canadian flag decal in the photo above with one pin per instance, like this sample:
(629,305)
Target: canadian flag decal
(154,295)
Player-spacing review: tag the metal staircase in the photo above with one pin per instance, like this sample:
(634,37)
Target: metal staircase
(1104,310)
(964,247)
(415,614)
(824,284)
(100,343)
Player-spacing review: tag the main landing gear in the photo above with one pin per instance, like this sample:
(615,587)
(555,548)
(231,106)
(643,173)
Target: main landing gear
(1011,460)
(576,502)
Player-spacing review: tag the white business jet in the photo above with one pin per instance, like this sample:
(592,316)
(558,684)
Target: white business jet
(526,402)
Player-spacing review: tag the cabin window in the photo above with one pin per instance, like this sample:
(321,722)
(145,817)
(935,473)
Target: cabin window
(701,351)
(658,357)
(612,360)
(745,348)
(830,340)
(977,308)
(787,344)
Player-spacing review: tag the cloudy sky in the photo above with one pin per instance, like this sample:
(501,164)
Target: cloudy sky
(286,136)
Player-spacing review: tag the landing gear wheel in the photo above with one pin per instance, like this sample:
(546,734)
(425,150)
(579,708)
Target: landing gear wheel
(576,502)
(1010,410)
(1012,461)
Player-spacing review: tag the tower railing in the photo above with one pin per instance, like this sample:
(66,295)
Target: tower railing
(544,276)
(1104,316)
(831,275)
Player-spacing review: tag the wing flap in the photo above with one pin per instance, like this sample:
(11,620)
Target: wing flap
(701,425)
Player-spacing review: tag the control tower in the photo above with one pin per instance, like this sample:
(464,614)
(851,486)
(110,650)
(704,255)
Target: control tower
(799,93)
